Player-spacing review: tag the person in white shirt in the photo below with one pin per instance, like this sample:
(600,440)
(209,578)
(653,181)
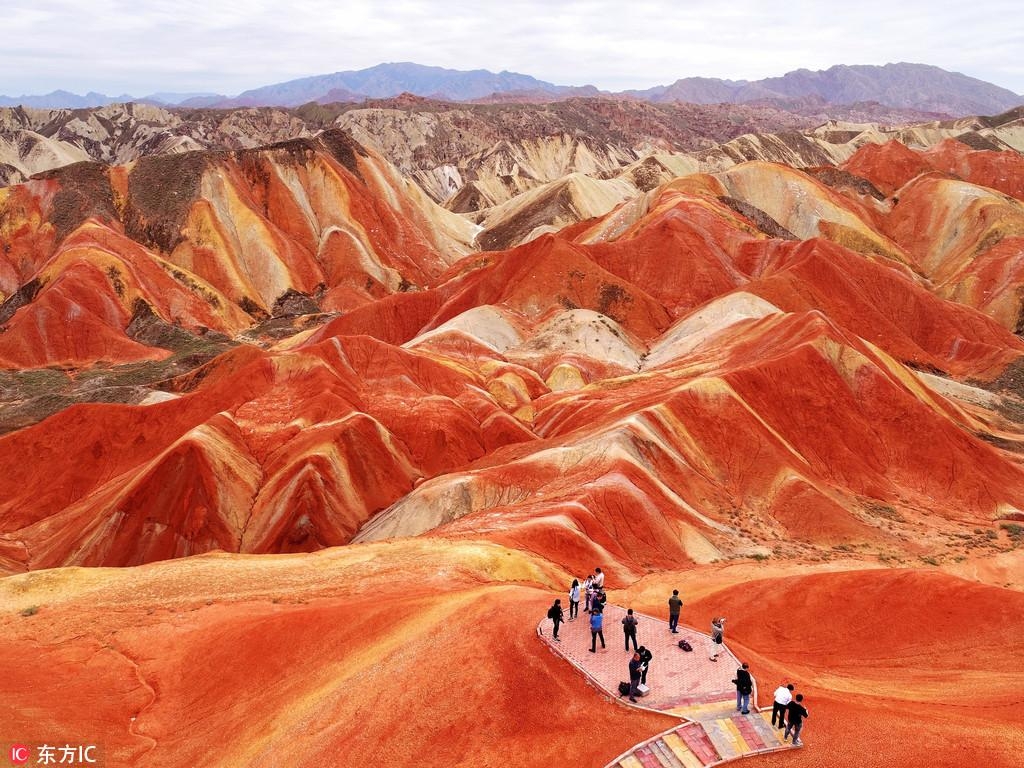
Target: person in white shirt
(574,600)
(598,580)
(588,592)
(783,695)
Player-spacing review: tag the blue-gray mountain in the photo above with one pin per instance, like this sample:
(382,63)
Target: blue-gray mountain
(914,86)
(907,86)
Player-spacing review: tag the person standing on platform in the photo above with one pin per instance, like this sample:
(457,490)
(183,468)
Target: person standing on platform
(796,712)
(634,676)
(744,687)
(629,629)
(557,616)
(783,695)
(596,629)
(574,600)
(675,605)
(717,636)
(645,661)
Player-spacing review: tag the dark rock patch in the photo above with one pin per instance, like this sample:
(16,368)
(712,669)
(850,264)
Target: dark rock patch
(759,218)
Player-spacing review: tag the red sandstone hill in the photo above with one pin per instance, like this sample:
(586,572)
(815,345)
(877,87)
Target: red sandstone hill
(759,312)
(279,351)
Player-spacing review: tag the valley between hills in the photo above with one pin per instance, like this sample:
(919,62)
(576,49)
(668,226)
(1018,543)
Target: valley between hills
(307,415)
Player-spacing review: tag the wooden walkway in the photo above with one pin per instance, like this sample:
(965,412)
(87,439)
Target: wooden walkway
(689,686)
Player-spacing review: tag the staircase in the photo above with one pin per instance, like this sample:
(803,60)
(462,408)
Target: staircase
(706,742)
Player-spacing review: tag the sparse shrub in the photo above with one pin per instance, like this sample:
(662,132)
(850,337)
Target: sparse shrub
(760,557)
(885,511)
(991,535)
(1014,531)
(32,610)
(929,560)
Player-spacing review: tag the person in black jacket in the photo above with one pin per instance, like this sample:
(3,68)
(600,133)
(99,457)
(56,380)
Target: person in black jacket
(634,676)
(744,686)
(629,629)
(795,714)
(645,663)
(557,616)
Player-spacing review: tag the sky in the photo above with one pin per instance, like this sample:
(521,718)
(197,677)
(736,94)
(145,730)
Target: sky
(140,47)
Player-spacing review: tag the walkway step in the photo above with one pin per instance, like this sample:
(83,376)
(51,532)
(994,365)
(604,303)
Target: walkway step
(770,735)
(722,739)
(661,749)
(648,759)
(682,752)
(630,762)
(735,735)
(745,725)
(697,740)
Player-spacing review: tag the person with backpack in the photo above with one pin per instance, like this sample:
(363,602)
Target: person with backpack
(557,617)
(675,605)
(634,676)
(629,629)
(717,636)
(795,714)
(781,698)
(744,687)
(645,661)
(596,629)
(574,600)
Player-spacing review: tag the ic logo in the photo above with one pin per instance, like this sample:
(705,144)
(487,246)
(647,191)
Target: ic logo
(20,754)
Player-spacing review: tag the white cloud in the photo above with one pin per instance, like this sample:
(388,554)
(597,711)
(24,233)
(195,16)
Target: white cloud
(142,46)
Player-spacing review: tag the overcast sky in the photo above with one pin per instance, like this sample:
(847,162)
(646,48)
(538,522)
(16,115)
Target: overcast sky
(145,46)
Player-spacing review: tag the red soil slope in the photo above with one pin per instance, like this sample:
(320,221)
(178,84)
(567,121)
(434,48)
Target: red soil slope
(898,668)
(222,662)
(226,660)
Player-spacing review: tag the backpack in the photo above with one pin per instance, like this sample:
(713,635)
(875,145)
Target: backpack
(623,689)
(685,645)
(551,613)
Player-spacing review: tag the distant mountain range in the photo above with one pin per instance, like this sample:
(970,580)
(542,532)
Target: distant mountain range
(68,100)
(911,86)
